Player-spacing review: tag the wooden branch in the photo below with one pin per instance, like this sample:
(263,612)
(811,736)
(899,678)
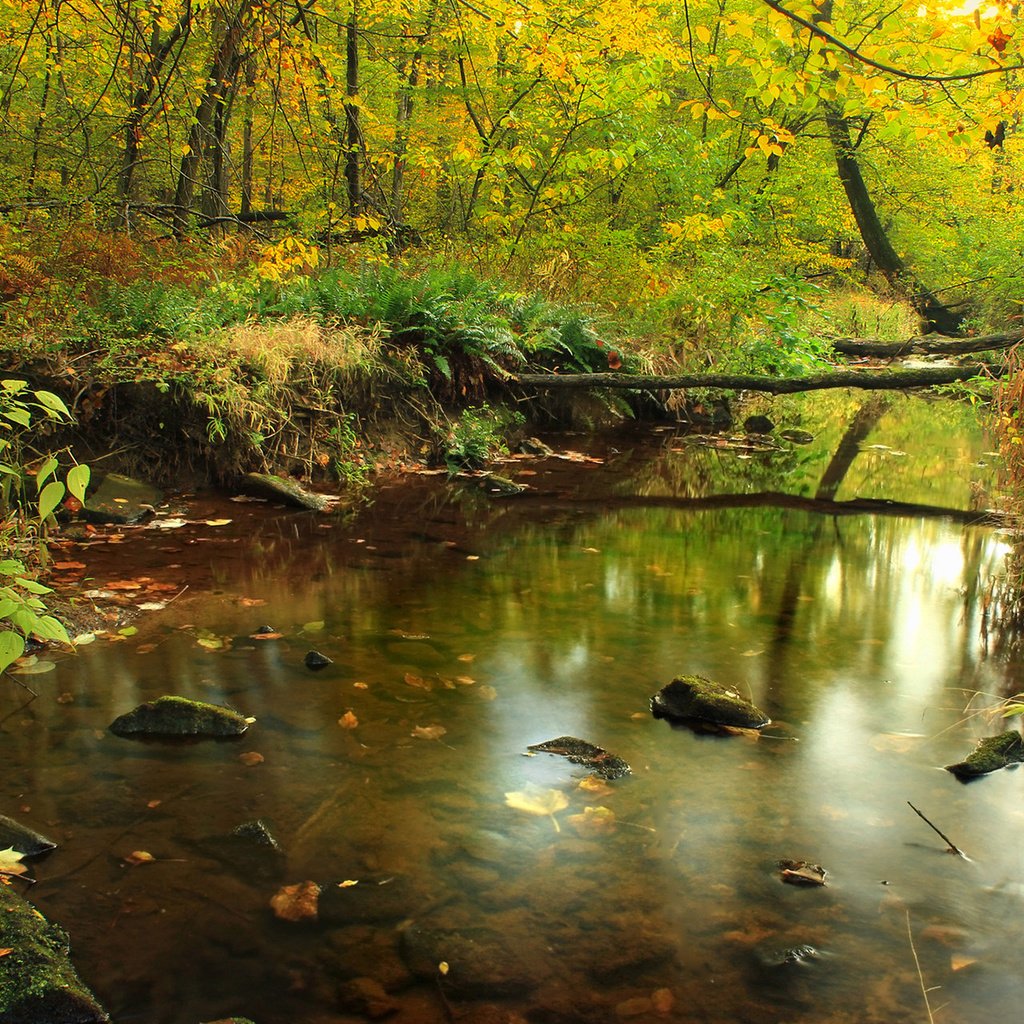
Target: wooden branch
(884,380)
(951,846)
(929,345)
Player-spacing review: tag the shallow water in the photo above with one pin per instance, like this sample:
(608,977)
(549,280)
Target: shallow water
(510,622)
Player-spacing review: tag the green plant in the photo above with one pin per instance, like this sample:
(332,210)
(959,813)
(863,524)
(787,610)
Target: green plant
(476,437)
(348,461)
(25,516)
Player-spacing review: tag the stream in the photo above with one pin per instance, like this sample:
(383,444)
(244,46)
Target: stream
(463,629)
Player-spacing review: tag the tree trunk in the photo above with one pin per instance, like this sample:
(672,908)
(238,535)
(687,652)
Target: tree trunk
(926,346)
(352,135)
(884,380)
(223,71)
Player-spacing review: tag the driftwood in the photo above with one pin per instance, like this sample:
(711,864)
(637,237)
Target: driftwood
(934,345)
(870,380)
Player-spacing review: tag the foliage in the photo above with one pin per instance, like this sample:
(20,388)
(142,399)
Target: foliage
(25,513)
(476,437)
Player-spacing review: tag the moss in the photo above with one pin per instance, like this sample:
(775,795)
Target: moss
(694,698)
(990,755)
(38,984)
(179,716)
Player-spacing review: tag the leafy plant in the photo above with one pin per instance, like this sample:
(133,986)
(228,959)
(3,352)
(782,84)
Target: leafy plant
(476,437)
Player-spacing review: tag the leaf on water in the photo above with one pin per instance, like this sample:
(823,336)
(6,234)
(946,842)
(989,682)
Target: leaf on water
(313,627)
(534,800)
(348,720)
(296,902)
(211,643)
(465,680)
(348,883)
(428,732)
(595,786)
(958,961)
(37,668)
(487,692)
(443,968)
(472,558)
(594,821)
(167,524)
(127,631)
(591,551)
(137,857)
(145,649)
(124,585)
(151,606)
(418,681)
(84,638)
(251,758)
(265,636)
(10,862)
(466,657)
(251,602)
(360,686)
(153,804)
(67,566)
(217,522)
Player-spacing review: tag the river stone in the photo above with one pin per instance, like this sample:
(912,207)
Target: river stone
(535,446)
(38,984)
(990,755)
(178,716)
(480,961)
(287,492)
(28,842)
(501,486)
(120,499)
(368,901)
(365,997)
(315,661)
(773,958)
(758,425)
(694,698)
(597,759)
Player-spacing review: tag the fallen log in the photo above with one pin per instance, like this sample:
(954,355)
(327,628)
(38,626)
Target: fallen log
(930,345)
(869,380)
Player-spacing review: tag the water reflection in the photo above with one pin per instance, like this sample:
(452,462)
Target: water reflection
(510,624)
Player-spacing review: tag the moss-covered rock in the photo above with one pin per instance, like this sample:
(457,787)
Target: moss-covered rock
(179,716)
(38,984)
(696,699)
(277,488)
(990,755)
(28,842)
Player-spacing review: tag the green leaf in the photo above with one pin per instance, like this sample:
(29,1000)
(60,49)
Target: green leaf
(13,386)
(32,586)
(45,472)
(10,566)
(78,481)
(12,647)
(48,628)
(52,404)
(51,497)
(7,605)
(17,415)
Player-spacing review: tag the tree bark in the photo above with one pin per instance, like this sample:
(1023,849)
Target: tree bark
(352,136)
(926,346)
(882,380)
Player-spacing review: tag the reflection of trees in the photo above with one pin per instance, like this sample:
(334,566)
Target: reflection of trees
(1002,611)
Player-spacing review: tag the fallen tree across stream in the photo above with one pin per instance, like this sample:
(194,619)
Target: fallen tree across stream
(870,380)
(934,345)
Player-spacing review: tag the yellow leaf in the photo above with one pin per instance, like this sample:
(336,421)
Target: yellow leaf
(137,857)
(429,732)
(348,720)
(10,862)
(703,33)
(534,800)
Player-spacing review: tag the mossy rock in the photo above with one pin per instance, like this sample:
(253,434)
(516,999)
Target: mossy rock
(696,699)
(287,492)
(28,842)
(990,755)
(38,984)
(179,716)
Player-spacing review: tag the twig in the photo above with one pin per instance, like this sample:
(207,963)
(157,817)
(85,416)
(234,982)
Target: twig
(920,975)
(952,847)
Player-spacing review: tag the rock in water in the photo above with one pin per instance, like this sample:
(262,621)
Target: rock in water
(696,699)
(758,425)
(178,716)
(315,661)
(27,842)
(597,759)
(38,984)
(990,755)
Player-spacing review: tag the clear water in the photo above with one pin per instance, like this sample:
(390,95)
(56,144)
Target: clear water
(510,622)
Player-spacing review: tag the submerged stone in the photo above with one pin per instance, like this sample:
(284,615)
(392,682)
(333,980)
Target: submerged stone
(28,842)
(990,755)
(120,499)
(694,698)
(501,486)
(287,492)
(38,984)
(758,425)
(179,716)
(597,759)
(786,957)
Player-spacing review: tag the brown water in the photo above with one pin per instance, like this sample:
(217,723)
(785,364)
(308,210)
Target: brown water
(510,622)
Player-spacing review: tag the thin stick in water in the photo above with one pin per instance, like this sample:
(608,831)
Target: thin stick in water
(952,847)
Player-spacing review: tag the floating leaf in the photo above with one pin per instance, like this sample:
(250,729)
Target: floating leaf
(265,636)
(465,680)
(360,686)
(487,692)
(958,961)
(418,681)
(466,657)
(429,732)
(151,606)
(137,857)
(211,643)
(251,602)
(296,902)
(348,883)
(251,758)
(442,967)
(37,668)
(217,522)
(313,627)
(10,862)
(534,800)
(595,785)
(348,720)
(84,638)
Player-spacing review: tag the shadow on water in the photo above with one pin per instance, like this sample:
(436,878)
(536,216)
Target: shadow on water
(462,630)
